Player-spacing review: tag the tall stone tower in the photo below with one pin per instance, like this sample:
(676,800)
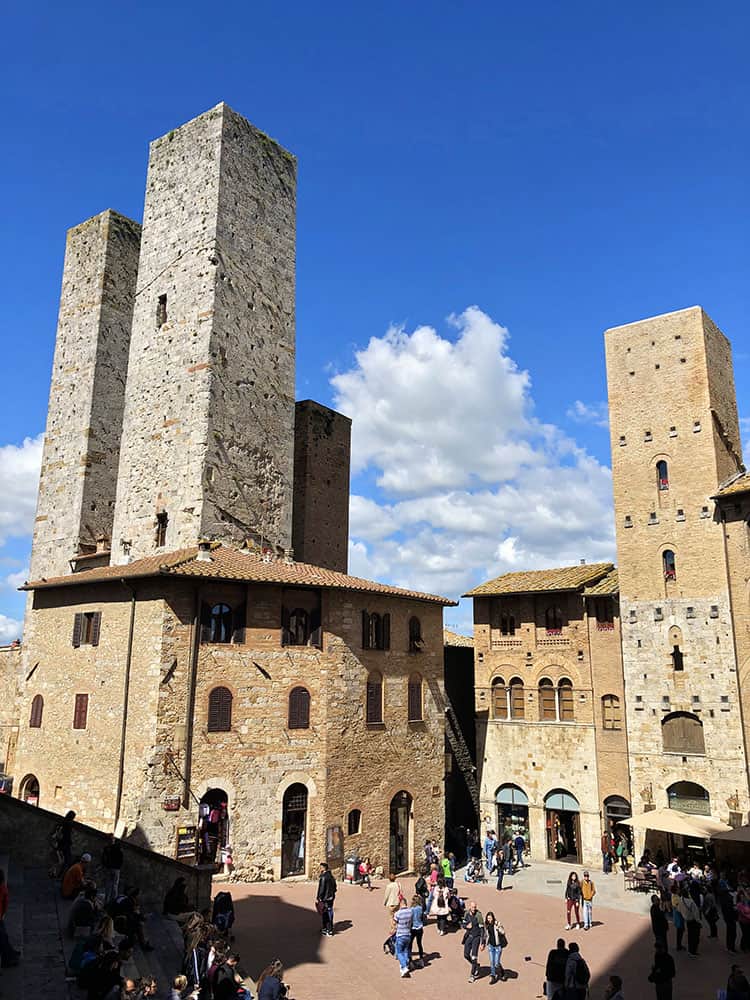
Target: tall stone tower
(207,443)
(78,479)
(675,439)
(322,450)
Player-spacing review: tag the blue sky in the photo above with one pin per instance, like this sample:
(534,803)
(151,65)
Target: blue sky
(564,168)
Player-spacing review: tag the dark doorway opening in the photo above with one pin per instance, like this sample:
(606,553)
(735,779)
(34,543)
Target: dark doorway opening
(213,825)
(293,823)
(563,827)
(400,831)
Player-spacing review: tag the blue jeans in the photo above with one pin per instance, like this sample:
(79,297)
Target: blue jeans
(519,857)
(403,951)
(495,953)
(587,911)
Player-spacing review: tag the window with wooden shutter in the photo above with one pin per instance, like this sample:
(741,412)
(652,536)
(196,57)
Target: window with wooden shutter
(682,732)
(547,704)
(219,710)
(385,632)
(238,623)
(416,712)
(299,708)
(96,627)
(37,709)
(566,709)
(611,714)
(499,699)
(77,629)
(365,630)
(374,707)
(316,629)
(415,635)
(81,711)
(517,708)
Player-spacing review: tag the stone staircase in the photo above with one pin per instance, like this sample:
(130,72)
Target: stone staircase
(461,752)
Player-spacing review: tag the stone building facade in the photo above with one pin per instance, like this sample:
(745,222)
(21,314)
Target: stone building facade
(551,738)
(675,442)
(10,709)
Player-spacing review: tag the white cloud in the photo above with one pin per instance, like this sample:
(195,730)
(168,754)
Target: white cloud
(589,413)
(10,629)
(745,433)
(19,481)
(15,580)
(471,484)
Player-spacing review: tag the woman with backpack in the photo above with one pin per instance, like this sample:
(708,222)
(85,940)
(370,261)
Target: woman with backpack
(573,900)
(439,908)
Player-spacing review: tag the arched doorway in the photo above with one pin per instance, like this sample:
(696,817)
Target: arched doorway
(213,825)
(400,832)
(29,790)
(563,826)
(512,812)
(615,810)
(293,825)
(689,798)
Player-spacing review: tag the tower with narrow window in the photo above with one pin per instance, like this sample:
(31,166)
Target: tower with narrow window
(208,434)
(675,439)
(75,506)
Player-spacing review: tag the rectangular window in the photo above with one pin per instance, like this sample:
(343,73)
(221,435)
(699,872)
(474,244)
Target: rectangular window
(161,310)
(81,711)
(86,628)
(162,519)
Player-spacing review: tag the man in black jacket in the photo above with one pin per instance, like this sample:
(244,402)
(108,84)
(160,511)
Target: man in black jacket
(325,898)
(663,972)
(659,923)
(112,865)
(554,971)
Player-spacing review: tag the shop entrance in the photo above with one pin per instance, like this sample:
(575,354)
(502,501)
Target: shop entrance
(512,812)
(399,839)
(213,825)
(563,826)
(29,791)
(615,810)
(293,822)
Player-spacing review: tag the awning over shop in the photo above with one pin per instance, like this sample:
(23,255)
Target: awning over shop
(674,821)
(740,835)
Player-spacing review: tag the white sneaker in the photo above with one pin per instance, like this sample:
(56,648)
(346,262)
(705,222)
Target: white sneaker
(568,927)
(404,972)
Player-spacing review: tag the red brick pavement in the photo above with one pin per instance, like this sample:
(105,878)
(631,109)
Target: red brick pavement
(278,921)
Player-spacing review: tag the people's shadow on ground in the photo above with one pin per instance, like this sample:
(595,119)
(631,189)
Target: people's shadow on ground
(509,973)
(342,925)
(257,925)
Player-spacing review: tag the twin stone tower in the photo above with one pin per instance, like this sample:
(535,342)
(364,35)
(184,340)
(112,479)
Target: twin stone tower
(172,415)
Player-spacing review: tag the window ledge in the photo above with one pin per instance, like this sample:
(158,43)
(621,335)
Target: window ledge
(375,725)
(683,753)
(416,722)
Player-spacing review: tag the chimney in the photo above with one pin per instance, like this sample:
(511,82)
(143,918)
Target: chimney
(204,551)
(583,562)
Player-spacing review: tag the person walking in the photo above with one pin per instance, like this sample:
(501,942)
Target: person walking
(678,920)
(507,855)
(325,899)
(729,916)
(577,975)
(402,921)
(494,940)
(417,927)
(65,840)
(588,891)
(489,846)
(554,971)
(710,911)
(445,865)
(659,922)
(421,889)
(112,860)
(572,900)
(440,908)
(473,928)
(606,847)
(392,895)
(742,906)
(500,866)
(662,972)
(692,915)
(520,845)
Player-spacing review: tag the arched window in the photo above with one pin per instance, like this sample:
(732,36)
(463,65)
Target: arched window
(374,708)
(219,710)
(682,732)
(416,712)
(37,709)
(689,797)
(220,623)
(299,708)
(499,699)
(565,709)
(415,635)
(669,565)
(547,705)
(662,475)
(611,714)
(516,698)
(354,822)
(553,620)
(376,630)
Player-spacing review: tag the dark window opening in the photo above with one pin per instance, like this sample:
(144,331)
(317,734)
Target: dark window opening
(662,475)
(678,660)
(81,711)
(507,624)
(376,631)
(669,565)
(415,635)
(301,619)
(415,707)
(354,822)
(86,628)
(37,708)
(553,619)
(374,710)
(218,627)
(605,617)
(162,519)
(219,710)
(299,708)
(161,310)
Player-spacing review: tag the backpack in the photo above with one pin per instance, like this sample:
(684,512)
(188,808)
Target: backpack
(582,973)
(420,886)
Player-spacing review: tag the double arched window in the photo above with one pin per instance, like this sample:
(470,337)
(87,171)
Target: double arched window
(220,623)
(415,699)
(374,698)
(556,704)
(37,710)
(219,710)
(376,630)
(299,708)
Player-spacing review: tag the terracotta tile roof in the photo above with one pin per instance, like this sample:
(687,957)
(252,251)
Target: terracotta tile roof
(231,564)
(608,586)
(740,484)
(541,580)
(454,639)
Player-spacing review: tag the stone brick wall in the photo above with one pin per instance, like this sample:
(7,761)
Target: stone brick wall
(322,448)
(10,694)
(87,394)
(208,427)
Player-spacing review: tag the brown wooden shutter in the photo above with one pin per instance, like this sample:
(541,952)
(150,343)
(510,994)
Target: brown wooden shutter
(299,708)
(567,711)
(386,627)
(365,630)
(285,637)
(517,707)
(77,629)
(81,711)
(96,627)
(238,623)
(547,702)
(37,708)
(205,625)
(316,631)
(219,710)
(374,699)
(415,699)
(499,699)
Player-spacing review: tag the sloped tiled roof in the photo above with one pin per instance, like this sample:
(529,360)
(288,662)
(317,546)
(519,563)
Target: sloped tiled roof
(235,565)
(740,484)
(606,587)
(541,580)
(454,639)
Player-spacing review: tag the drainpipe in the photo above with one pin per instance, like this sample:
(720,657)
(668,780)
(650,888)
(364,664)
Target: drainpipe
(125,696)
(195,635)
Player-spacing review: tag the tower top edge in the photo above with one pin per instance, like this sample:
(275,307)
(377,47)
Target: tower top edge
(651,319)
(108,215)
(224,111)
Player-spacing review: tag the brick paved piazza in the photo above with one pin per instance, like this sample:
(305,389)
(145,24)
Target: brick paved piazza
(278,920)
